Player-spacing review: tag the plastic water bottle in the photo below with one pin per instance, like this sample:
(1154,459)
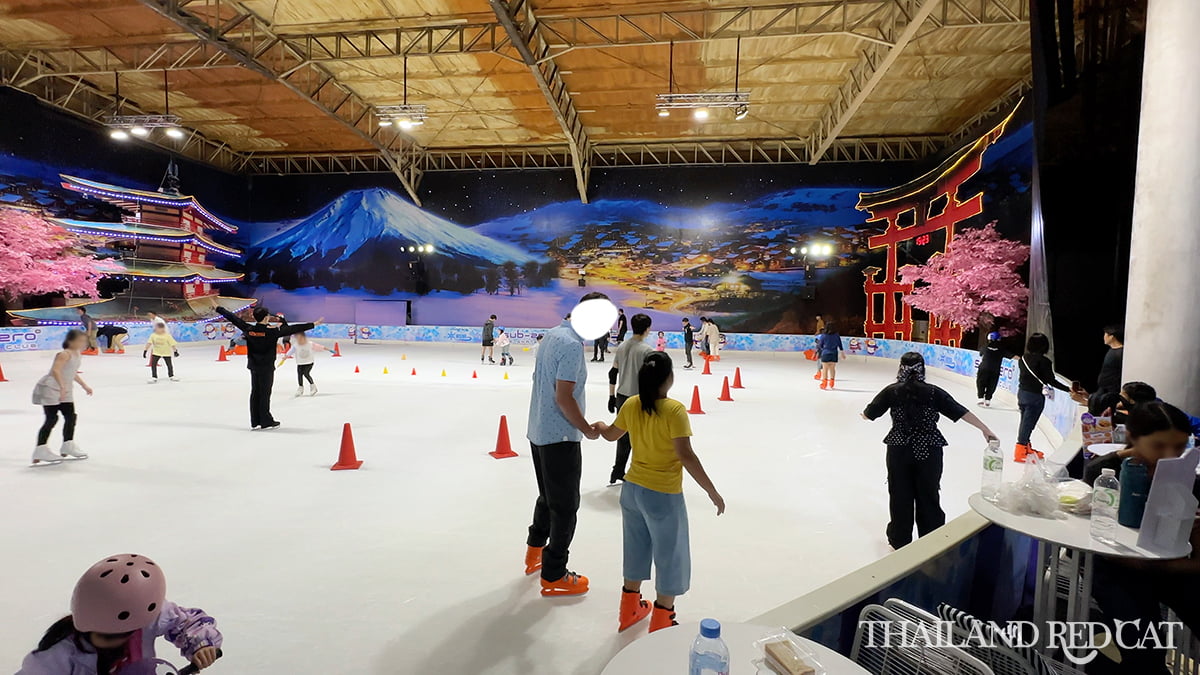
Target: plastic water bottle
(993,471)
(1106,496)
(709,655)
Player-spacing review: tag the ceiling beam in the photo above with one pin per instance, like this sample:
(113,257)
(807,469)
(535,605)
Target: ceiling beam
(905,21)
(73,62)
(715,152)
(248,39)
(518,19)
(1004,104)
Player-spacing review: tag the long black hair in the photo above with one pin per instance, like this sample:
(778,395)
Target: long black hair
(910,380)
(72,335)
(655,370)
(1155,416)
(61,630)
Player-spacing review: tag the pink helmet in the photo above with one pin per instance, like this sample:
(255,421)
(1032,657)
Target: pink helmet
(119,594)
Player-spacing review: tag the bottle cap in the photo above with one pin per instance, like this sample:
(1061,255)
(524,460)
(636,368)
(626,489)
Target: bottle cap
(1108,472)
(710,628)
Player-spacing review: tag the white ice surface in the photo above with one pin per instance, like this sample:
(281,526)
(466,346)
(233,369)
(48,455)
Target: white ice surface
(413,564)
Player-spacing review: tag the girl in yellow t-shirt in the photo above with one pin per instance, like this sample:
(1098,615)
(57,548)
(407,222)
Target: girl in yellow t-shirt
(653,513)
(161,345)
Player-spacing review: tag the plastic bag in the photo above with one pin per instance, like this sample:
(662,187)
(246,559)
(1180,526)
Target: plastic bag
(784,654)
(1075,496)
(1035,493)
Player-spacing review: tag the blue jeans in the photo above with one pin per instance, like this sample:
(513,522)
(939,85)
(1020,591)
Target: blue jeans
(1031,405)
(656,530)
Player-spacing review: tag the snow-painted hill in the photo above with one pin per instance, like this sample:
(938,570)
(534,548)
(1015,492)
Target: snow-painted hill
(378,216)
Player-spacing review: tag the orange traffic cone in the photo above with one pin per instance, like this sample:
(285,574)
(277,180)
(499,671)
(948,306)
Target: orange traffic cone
(356,369)
(337,350)
(737,378)
(695,409)
(707,368)
(725,391)
(346,457)
(221,355)
(503,444)
(414,372)
(2,378)
(474,375)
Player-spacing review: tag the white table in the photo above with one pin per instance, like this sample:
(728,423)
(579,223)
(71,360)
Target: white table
(665,652)
(1075,533)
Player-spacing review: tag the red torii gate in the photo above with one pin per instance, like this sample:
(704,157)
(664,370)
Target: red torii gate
(919,197)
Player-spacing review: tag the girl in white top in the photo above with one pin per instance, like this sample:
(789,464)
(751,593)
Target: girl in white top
(505,345)
(55,392)
(305,352)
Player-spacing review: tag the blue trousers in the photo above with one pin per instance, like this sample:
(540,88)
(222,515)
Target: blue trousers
(656,531)
(1031,405)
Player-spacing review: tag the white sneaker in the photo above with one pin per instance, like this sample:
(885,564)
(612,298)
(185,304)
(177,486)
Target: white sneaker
(174,379)
(71,449)
(299,391)
(153,380)
(43,455)
(312,390)
(982,403)
(987,404)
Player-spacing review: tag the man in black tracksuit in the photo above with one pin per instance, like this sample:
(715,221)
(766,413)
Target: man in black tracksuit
(261,349)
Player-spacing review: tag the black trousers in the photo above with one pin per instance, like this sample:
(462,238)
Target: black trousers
(68,412)
(599,349)
(1130,595)
(913,486)
(154,366)
(304,372)
(687,348)
(558,468)
(986,382)
(261,382)
(624,447)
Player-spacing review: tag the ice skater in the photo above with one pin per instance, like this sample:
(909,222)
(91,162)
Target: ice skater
(829,347)
(991,358)
(660,345)
(505,344)
(622,326)
(118,610)
(600,348)
(89,328)
(156,321)
(556,429)
(55,392)
(1036,382)
(304,351)
(653,513)
(689,341)
(114,337)
(623,384)
(161,345)
(489,340)
(262,342)
(915,446)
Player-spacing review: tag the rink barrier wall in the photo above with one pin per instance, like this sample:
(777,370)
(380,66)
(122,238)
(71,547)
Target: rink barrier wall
(1061,412)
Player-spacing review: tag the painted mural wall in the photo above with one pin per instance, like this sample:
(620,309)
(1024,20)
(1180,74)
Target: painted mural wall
(760,249)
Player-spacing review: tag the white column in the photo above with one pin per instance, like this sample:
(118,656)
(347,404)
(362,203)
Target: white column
(1162,323)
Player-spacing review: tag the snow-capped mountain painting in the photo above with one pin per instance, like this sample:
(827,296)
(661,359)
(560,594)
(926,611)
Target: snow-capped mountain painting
(377,217)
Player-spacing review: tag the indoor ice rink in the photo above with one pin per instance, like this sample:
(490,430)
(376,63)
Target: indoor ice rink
(413,563)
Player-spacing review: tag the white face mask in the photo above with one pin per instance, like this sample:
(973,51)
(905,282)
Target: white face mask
(592,318)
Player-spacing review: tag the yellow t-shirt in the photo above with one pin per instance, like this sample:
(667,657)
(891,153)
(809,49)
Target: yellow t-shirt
(161,344)
(655,465)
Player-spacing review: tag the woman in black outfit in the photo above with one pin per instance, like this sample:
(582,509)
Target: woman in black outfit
(914,447)
(1037,375)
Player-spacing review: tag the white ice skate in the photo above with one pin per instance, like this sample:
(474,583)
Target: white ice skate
(153,380)
(312,390)
(43,455)
(174,379)
(71,449)
(299,391)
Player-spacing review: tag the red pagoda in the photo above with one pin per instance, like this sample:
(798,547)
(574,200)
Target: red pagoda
(160,248)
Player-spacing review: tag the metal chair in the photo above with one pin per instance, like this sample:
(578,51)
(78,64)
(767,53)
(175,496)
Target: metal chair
(1002,660)
(887,643)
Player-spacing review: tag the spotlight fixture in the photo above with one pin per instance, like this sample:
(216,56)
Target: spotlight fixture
(119,134)
(405,115)
(175,132)
(740,112)
(139,131)
(701,103)
(121,126)
(700,113)
(663,112)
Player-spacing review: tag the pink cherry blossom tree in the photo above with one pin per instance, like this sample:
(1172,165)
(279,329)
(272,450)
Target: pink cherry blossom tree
(973,284)
(37,256)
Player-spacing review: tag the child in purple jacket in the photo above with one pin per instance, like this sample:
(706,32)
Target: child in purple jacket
(119,608)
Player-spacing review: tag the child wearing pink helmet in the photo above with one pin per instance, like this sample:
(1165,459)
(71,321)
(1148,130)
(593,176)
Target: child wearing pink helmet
(119,608)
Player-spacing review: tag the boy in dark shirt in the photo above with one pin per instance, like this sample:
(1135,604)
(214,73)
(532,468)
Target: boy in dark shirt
(988,377)
(689,340)
(262,341)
